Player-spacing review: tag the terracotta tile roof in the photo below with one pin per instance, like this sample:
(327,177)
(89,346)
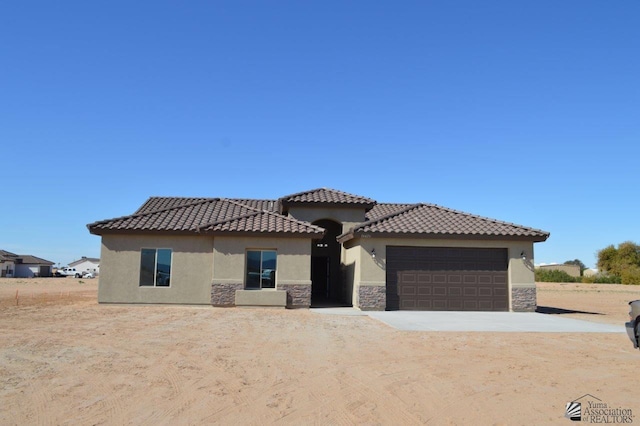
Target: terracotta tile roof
(385,209)
(326,196)
(219,215)
(268,205)
(183,217)
(263,222)
(33,260)
(22,258)
(432,220)
(7,255)
(162,203)
(202,215)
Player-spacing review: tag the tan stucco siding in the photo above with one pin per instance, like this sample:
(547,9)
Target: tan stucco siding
(372,270)
(348,217)
(191,269)
(351,272)
(293,261)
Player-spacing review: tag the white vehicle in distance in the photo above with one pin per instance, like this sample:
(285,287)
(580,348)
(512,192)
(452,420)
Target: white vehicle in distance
(68,272)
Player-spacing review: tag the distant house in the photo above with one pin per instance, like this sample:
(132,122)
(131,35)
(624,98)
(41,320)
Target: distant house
(317,247)
(571,270)
(23,265)
(590,272)
(86,264)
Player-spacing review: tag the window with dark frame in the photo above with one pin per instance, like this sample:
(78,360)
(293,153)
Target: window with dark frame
(155,267)
(261,269)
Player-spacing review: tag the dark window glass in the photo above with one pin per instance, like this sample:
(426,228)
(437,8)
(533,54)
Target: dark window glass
(253,269)
(268,273)
(147,267)
(155,267)
(261,269)
(163,269)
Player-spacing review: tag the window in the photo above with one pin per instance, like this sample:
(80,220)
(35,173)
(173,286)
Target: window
(155,267)
(261,269)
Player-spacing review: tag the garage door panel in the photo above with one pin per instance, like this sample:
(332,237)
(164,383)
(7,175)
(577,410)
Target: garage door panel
(439,291)
(499,291)
(439,305)
(455,291)
(454,279)
(447,279)
(439,278)
(470,292)
(499,279)
(424,290)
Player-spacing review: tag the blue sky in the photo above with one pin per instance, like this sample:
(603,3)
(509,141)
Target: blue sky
(527,112)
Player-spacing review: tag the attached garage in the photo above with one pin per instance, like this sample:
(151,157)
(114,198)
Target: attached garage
(447,279)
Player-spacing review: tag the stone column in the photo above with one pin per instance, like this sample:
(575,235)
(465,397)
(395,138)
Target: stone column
(372,298)
(523,299)
(298,295)
(224,293)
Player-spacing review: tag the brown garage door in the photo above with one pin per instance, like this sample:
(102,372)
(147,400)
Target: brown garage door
(447,279)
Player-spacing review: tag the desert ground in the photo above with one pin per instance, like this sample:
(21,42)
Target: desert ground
(64,359)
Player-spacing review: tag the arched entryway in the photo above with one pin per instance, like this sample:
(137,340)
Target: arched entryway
(327,288)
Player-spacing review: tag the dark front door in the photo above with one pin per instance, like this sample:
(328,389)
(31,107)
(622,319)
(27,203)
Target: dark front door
(320,276)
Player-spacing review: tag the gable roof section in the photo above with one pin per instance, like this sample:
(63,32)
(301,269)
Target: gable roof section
(263,222)
(209,215)
(7,256)
(385,209)
(163,203)
(33,260)
(420,220)
(22,258)
(85,259)
(325,196)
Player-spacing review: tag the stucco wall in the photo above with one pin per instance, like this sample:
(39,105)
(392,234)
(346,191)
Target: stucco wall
(349,217)
(572,270)
(86,266)
(27,270)
(372,270)
(191,269)
(351,272)
(293,262)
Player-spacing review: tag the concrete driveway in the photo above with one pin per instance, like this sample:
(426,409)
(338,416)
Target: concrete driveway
(479,321)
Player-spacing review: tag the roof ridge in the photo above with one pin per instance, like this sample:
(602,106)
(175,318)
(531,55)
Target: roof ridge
(389,215)
(299,193)
(238,203)
(195,203)
(476,216)
(331,190)
(255,213)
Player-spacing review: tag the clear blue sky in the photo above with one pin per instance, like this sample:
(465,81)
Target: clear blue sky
(527,112)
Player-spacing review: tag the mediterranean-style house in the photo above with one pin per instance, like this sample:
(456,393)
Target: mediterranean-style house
(23,265)
(86,264)
(315,248)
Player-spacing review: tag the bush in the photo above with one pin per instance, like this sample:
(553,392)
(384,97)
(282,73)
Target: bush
(602,279)
(631,275)
(554,276)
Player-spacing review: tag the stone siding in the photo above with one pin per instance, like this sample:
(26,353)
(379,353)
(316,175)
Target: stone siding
(372,298)
(298,295)
(523,299)
(224,294)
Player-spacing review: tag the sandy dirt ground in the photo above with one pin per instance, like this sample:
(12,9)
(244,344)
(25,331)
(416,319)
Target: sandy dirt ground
(64,359)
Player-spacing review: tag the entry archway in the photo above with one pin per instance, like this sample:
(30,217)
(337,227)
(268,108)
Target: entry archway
(327,288)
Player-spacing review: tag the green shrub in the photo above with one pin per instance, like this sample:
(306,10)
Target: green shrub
(554,276)
(602,279)
(631,275)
